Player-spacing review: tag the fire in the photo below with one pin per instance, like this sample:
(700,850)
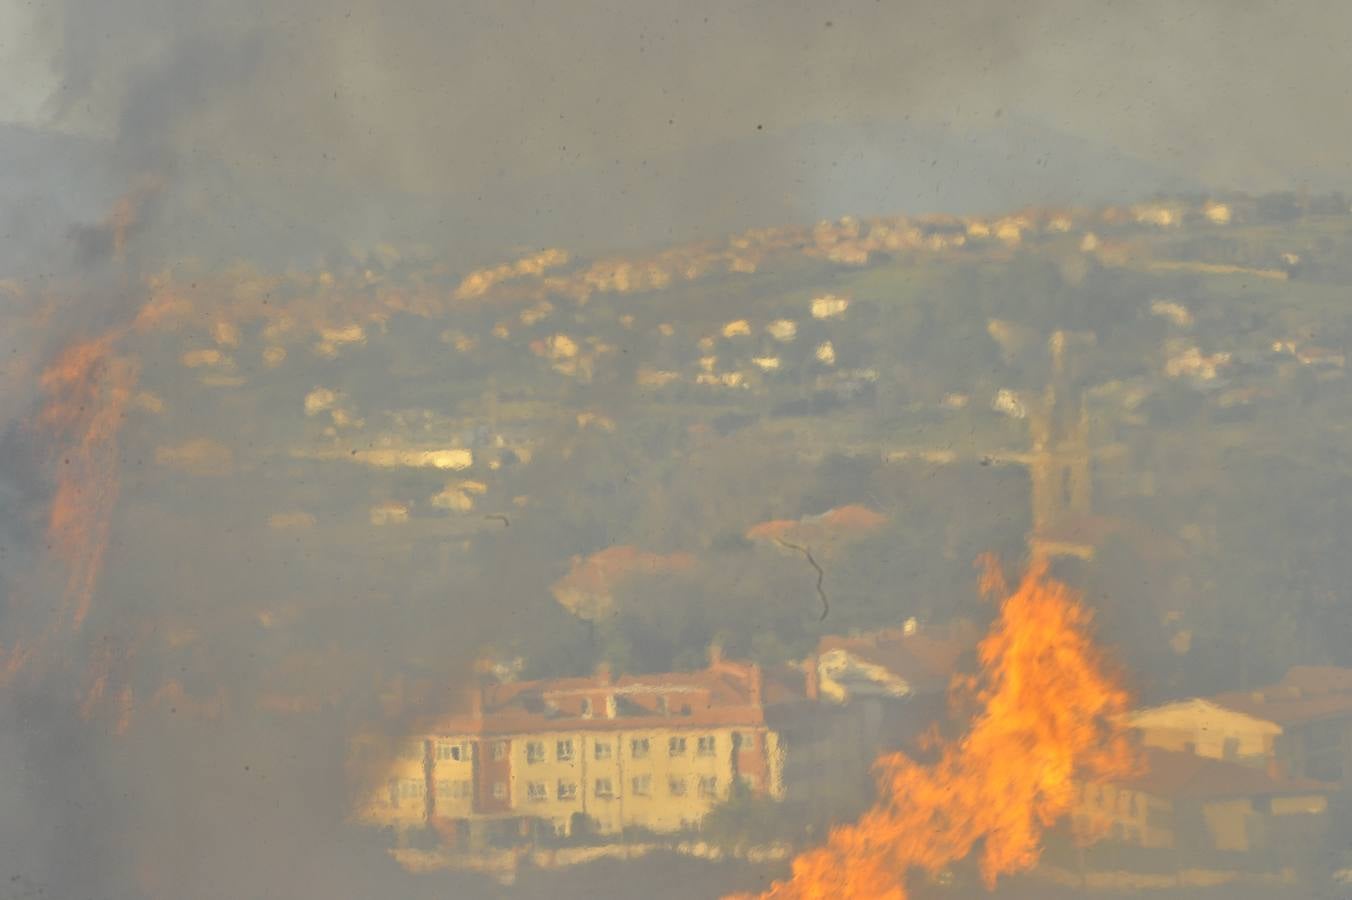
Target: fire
(88,388)
(1045,712)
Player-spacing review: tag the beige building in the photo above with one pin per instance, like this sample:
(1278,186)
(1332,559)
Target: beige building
(1302,725)
(597,754)
(1197,803)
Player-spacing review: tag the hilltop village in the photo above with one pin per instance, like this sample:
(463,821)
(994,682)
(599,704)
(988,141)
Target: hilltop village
(664,547)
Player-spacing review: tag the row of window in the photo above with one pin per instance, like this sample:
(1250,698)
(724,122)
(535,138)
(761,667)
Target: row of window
(639,748)
(454,790)
(640,786)
(452,751)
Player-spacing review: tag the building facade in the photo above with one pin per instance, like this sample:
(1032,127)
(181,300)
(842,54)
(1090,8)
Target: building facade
(1195,803)
(581,755)
(1302,725)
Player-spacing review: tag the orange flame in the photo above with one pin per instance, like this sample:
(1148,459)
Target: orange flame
(88,389)
(1046,708)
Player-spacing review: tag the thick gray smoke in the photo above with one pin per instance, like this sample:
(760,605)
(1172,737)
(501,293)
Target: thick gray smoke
(139,133)
(477,125)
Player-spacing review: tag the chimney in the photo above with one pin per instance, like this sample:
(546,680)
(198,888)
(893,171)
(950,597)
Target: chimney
(911,626)
(602,673)
(754,683)
(715,655)
(811,685)
(475,694)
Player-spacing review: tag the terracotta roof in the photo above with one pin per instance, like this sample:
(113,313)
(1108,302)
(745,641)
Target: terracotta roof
(1305,694)
(596,575)
(926,659)
(834,523)
(726,693)
(1168,773)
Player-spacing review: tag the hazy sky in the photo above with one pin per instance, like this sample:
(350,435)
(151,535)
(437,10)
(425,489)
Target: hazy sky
(460,98)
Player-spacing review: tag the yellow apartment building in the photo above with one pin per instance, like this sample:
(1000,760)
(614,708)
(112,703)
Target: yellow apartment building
(654,752)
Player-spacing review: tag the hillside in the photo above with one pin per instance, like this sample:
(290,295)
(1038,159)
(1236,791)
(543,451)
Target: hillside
(403,464)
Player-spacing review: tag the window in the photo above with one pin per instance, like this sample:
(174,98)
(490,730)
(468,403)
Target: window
(662,705)
(676,787)
(642,785)
(411,788)
(706,745)
(499,790)
(453,790)
(535,752)
(708,786)
(535,792)
(586,708)
(563,750)
(749,782)
(638,748)
(602,750)
(567,790)
(453,752)
(499,752)
(741,740)
(676,746)
(604,788)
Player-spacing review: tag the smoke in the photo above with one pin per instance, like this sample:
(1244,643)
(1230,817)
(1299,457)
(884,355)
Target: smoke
(484,124)
(141,135)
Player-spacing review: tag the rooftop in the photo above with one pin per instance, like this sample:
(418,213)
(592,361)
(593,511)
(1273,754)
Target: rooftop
(1305,694)
(1168,773)
(725,693)
(925,658)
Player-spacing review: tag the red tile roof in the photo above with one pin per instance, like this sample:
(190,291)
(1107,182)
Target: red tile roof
(834,524)
(726,693)
(1305,694)
(604,569)
(1168,773)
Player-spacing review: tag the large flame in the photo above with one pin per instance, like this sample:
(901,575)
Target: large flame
(1045,713)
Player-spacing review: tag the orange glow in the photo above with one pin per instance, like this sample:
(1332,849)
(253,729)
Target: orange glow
(1045,707)
(88,389)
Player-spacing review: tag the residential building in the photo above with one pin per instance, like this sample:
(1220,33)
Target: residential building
(866,694)
(1302,725)
(595,754)
(1196,803)
(910,661)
